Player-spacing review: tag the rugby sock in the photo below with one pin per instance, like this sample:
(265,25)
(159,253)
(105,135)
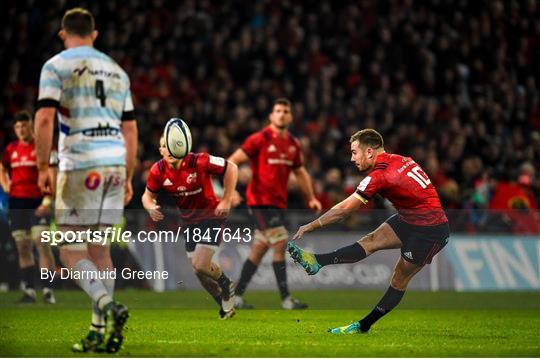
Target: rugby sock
(248,270)
(91,284)
(280,270)
(98,317)
(223,281)
(98,320)
(350,254)
(389,301)
(109,285)
(211,287)
(28,274)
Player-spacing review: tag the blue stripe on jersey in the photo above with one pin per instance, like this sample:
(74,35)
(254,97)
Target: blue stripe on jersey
(82,147)
(119,96)
(49,67)
(84,52)
(97,111)
(50,83)
(109,161)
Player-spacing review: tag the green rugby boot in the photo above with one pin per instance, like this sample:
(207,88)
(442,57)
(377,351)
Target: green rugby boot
(354,328)
(304,258)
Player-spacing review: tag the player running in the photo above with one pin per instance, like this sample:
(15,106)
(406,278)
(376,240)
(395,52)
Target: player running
(420,228)
(90,94)
(29,209)
(272,153)
(189,181)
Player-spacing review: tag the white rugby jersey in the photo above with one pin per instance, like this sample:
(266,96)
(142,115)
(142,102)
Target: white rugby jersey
(92,95)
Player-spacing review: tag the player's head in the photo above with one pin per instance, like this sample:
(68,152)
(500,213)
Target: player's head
(164,152)
(22,126)
(78,24)
(365,146)
(281,115)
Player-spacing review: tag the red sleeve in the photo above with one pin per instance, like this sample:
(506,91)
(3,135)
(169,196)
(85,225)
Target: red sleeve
(371,184)
(299,156)
(6,157)
(252,144)
(153,182)
(212,164)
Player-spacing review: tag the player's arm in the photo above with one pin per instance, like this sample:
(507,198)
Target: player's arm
(149,202)
(335,214)
(130,133)
(43,127)
(230,177)
(5,182)
(305,185)
(238,157)
(45,207)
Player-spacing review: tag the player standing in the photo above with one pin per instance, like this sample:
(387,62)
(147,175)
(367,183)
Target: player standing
(420,228)
(29,209)
(189,181)
(90,94)
(272,153)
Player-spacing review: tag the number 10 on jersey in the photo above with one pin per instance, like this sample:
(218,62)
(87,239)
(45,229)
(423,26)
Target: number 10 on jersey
(419,176)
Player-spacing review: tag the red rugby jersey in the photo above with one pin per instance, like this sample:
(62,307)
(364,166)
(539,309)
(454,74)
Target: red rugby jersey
(190,184)
(401,180)
(19,159)
(272,157)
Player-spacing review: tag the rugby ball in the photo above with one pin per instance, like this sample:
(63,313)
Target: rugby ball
(177,138)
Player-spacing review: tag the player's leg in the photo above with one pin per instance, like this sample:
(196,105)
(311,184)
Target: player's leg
(101,257)
(278,238)
(420,245)
(258,249)
(383,237)
(19,221)
(24,245)
(81,199)
(46,260)
(208,283)
(403,273)
(76,256)
(203,265)
(111,211)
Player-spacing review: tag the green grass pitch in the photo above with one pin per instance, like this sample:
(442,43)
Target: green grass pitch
(185,323)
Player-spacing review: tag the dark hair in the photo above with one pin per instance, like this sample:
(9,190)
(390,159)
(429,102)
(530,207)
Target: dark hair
(22,116)
(78,21)
(283,101)
(368,137)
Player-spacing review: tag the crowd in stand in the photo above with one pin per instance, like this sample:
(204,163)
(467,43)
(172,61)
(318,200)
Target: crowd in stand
(452,83)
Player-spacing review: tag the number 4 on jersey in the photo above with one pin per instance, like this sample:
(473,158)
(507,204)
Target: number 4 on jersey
(100,92)
(419,176)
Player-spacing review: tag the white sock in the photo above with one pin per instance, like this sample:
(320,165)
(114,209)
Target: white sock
(91,284)
(98,319)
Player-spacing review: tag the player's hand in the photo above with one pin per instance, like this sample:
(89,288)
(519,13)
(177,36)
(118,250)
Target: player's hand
(44,182)
(43,211)
(301,231)
(223,208)
(7,186)
(128,192)
(315,204)
(155,213)
(236,199)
